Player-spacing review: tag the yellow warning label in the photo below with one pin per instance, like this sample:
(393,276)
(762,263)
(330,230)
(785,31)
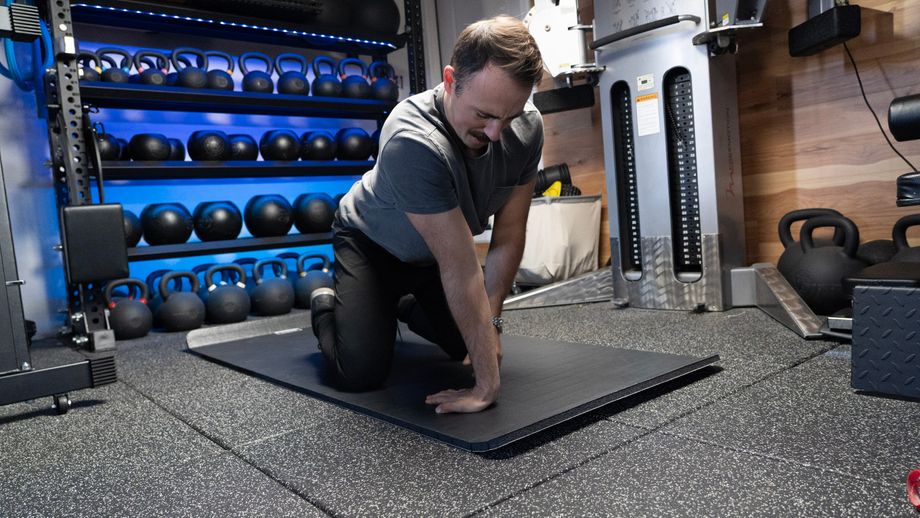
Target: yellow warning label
(647,97)
(726,19)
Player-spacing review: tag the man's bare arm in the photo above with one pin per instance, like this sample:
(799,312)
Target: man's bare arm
(450,241)
(507,245)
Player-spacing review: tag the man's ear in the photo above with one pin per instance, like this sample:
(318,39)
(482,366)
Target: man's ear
(449,79)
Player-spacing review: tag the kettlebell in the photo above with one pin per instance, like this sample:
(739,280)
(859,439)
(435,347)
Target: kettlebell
(377,16)
(117,72)
(325,84)
(219,79)
(217,220)
(90,65)
(153,286)
(257,80)
(149,146)
(314,213)
(190,76)
(176,149)
(293,82)
(353,144)
(226,303)
(180,310)
(905,253)
(309,280)
(268,215)
(133,228)
(317,145)
(199,271)
(876,251)
(108,146)
(166,223)
(151,66)
(821,269)
(383,86)
(290,260)
(209,145)
(789,260)
(280,145)
(128,318)
(243,147)
(271,296)
(173,77)
(246,263)
(354,86)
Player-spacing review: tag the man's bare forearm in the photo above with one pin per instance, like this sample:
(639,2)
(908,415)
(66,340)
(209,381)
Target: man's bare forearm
(502,263)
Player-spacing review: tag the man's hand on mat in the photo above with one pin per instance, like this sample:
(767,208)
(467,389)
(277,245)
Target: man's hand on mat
(463,400)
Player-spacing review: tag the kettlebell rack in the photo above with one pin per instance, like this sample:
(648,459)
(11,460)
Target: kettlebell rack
(69,100)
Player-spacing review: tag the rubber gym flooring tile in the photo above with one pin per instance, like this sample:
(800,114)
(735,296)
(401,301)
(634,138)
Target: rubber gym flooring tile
(809,414)
(363,467)
(747,333)
(662,475)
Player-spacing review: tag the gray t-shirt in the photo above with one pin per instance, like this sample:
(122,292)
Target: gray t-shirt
(422,169)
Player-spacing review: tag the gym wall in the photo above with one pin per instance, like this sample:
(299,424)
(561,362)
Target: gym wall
(807,138)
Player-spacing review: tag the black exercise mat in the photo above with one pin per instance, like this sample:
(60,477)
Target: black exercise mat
(544,383)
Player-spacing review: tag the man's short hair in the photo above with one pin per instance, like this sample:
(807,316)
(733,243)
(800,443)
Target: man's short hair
(502,41)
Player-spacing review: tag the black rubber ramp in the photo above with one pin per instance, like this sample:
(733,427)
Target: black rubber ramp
(544,383)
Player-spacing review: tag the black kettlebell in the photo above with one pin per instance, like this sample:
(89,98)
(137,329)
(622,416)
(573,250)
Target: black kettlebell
(383,84)
(133,228)
(293,82)
(153,285)
(905,253)
(243,147)
(173,77)
(118,72)
(290,260)
(354,86)
(258,81)
(314,213)
(353,144)
(310,280)
(377,16)
(108,146)
(271,296)
(151,66)
(166,223)
(149,147)
(180,310)
(129,318)
(226,303)
(279,145)
(90,65)
(789,260)
(317,145)
(821,269)
(209,145)
(876,251)
(217,220)
(219,79)
(190,76)
(246,263)
(176,149)
(199,271)
(325,84)
(268,215)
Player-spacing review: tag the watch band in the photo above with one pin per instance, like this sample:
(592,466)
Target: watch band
(498,322)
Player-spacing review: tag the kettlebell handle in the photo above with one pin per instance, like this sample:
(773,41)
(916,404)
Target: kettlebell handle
(785,224)
(258,56)
(899,232)
(343,65)
(84,55)
(850,232)
(200,56)
(323,60)
(164,282)
(140,58)
(275,262)
(126,58)
(153,277)
(290,56)
(222,55)
(302,272)
(209,275)
(144,292)
(381,70)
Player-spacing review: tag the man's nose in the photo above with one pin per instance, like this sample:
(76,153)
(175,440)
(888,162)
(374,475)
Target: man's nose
(493,129)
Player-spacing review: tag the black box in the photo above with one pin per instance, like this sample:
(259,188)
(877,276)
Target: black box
(94,243)
(824,31)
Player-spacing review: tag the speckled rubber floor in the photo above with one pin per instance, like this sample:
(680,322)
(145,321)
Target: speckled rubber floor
(772,430)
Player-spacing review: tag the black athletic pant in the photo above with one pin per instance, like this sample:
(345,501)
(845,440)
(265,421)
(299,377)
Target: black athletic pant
(358,339)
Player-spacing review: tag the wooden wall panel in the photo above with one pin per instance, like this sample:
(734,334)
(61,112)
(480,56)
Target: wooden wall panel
(807,138)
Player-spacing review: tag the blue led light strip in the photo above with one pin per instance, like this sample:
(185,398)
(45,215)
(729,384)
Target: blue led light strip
(234,24)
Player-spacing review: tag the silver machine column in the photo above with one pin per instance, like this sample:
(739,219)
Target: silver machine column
(671,148)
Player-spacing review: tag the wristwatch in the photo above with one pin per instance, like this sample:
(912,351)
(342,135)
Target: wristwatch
(498,322)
